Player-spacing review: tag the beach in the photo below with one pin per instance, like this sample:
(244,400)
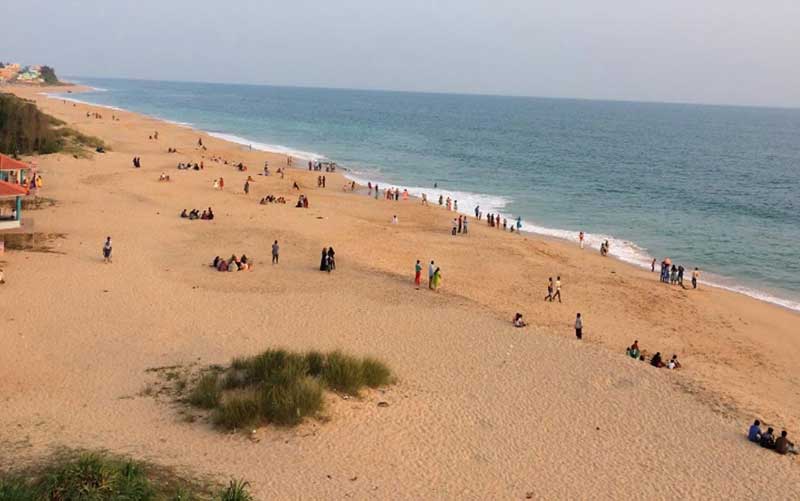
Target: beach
(480,410)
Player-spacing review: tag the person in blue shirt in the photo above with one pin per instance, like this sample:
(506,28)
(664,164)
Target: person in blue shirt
(754,434)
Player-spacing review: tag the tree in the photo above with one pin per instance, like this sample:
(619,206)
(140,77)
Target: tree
(48,75)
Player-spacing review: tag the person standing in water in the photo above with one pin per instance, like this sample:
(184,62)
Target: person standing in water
(579,327)
(580,238)
(417,274)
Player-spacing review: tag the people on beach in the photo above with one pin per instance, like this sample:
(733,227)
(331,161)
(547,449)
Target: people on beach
(653,265)
(754,433)
(519,223)
(163,178)
(107,250)
(557,294)
(518,322)
(394,219)
(579,327)
(673,363)
(580,239)
(437,279)
(323,263)
(454,227)
(549,296)
(275,252)
(464,229)
(656,361)
(783,445)
(417,274)
(695,277)
(767,439)
(633,351)
(2,276)
(431,270)
(604,248)
(247,187)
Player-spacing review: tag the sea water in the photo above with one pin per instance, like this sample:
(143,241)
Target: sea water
(710,186)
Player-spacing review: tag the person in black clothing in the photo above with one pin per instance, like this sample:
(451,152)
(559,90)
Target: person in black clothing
(768,439)
(331,259)
(656,360)
(323,264)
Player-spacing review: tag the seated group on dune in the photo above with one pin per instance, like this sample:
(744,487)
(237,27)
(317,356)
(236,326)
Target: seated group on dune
(190,166)
(302,202)
(163,178)
(195,214)
(272,199)
(656,360)
(767,439)
(232,264)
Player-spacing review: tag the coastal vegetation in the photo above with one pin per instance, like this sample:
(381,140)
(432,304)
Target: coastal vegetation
(100,477)
(24,129)
(282,388)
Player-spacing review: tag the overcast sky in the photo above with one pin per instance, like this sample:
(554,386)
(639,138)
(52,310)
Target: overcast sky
(709,51)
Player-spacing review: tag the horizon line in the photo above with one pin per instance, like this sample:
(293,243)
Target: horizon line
(450,93)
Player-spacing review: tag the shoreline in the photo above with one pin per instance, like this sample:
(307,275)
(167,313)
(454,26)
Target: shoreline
(634,257)
(478,404)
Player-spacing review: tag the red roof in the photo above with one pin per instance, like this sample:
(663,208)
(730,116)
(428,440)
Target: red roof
(8,163)
(12,190)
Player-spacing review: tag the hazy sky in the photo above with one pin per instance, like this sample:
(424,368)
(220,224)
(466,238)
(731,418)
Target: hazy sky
(711,51)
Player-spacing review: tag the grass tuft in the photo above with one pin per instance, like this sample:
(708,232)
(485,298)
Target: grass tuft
(100,477)
(282,388)
(206,393)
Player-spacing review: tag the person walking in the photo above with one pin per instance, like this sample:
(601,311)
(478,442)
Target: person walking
(579,327)
(247,187)
(331,259)
(437,279)
(465,231)
(417,274)
(275,252)
(549,296)
(695,277)
(558,290)
(431,270)
(653,265)
(107,250)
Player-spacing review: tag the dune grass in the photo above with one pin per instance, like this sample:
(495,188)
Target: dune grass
(282,388)
(101,477)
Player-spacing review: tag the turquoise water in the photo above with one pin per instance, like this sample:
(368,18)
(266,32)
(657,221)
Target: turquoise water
(709,186)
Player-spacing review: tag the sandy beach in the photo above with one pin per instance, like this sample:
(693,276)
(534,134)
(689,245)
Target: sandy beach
(481,410)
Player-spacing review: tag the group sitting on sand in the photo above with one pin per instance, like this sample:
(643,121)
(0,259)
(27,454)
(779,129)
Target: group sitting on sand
(190,166)
(163,178)
(232,264)
(302,202)
(195,214)
(656,360)
(767,439)
(272,199)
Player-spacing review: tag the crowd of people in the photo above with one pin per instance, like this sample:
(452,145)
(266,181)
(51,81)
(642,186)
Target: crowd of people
(232,264)
(673,275)
(316,165)
(767,440)
(195,214)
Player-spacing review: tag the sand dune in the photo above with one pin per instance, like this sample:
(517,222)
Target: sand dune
(481,410)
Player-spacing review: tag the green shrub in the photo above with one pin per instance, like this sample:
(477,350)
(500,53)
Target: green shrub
(237,412)
(206,393)
(375,373)
(236,491)
(343,373)
(289,402)
(99,477)
(282,388)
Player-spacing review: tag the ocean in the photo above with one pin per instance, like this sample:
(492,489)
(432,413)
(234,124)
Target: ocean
(716,187)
